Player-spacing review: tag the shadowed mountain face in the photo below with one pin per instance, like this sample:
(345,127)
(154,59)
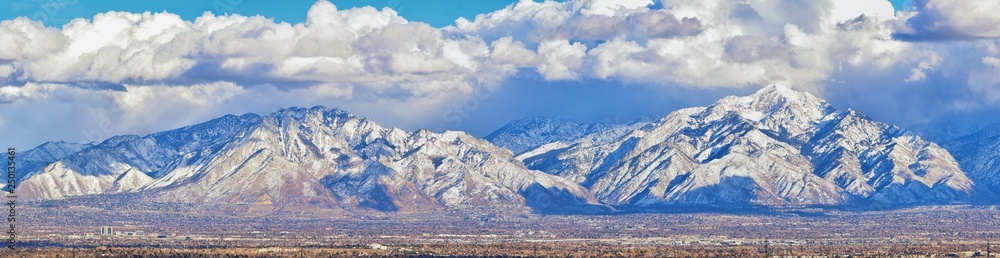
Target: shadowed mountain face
(978,153)
(527,134)
(45,154)
(308,157)
(776,147)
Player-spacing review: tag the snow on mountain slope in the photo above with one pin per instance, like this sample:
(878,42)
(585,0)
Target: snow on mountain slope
(978,154)
(95,169)
(33,159)
(521,135)
(313,157)
(525,134)
(775,147)
(363,164)
(131,180)
(51,151)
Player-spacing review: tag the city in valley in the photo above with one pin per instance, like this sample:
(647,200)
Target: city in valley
(89,229)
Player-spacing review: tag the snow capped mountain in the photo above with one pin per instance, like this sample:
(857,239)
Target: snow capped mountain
(309,157)
(776,147)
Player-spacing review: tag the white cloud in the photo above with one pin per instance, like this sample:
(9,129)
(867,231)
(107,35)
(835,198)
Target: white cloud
(610,7)
(699,43)
(951,19)
(29,91)
(507,51)
(358,47)
(560,59)
(20,33)
(154,67)
(919,73)
(845,10)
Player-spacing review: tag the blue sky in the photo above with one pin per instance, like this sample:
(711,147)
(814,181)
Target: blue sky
(437,13)
(588,60)
(900,4)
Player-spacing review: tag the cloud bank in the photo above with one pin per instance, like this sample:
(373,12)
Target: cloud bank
(124,72)
(951,20)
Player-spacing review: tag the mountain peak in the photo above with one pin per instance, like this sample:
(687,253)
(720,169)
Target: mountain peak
(775,106)
(541,121)
(521,135)
(781,92)
(51,145)
(301,112)
(774,87)
(775,95)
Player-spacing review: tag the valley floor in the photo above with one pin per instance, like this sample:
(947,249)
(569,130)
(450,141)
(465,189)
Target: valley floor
(526,250)
(75,230)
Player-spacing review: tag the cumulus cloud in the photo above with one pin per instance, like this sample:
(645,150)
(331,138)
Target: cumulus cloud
(610,7)
(951,20)
(358,46)
(151,71)
(21,32)
(698,43)
(591,21)
(560,59)
(37,112)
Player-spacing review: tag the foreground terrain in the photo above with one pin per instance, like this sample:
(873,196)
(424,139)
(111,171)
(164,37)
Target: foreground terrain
(562,249)
(75,230)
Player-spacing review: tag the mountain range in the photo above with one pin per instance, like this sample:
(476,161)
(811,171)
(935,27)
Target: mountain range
(298,157)
(774,148)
